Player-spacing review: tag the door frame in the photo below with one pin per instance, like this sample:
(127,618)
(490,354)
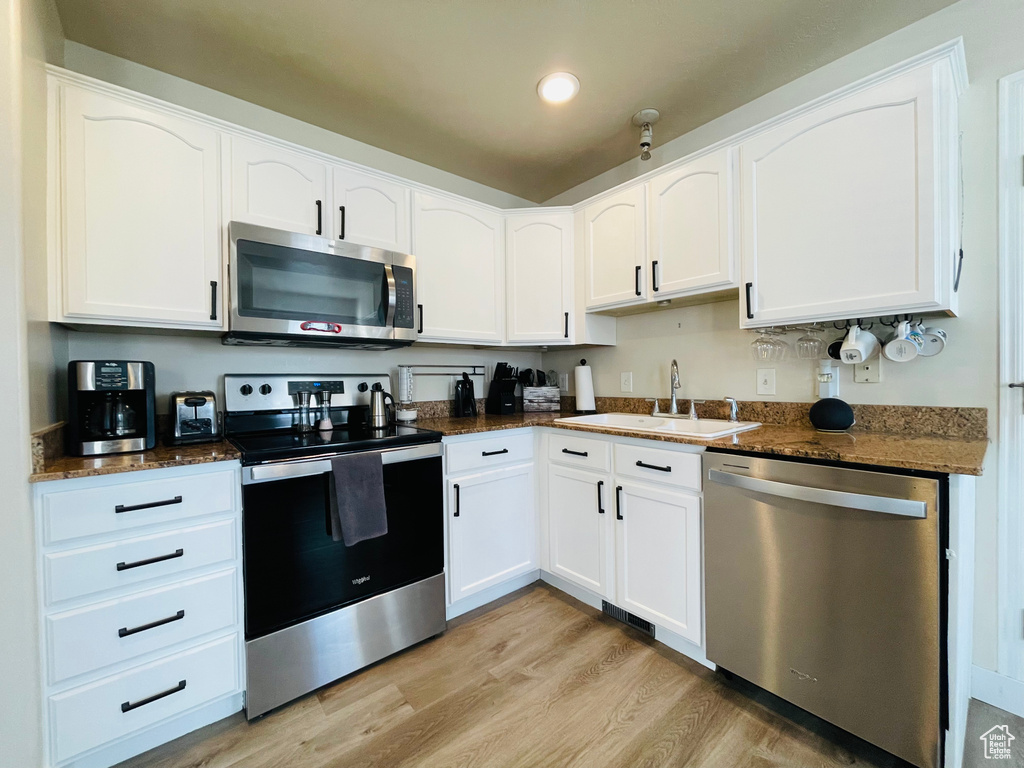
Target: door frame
(1010,526)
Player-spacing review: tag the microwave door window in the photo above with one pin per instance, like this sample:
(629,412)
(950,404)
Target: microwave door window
(289,284)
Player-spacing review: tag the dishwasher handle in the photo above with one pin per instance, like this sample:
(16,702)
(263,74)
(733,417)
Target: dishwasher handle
(884,504)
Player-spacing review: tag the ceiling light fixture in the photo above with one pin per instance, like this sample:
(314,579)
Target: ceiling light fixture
(558,87)
(643,120)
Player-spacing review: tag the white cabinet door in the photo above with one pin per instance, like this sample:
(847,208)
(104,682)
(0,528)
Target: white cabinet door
(491,528)
(613,246)
(690,227)
(141,215)
(658,555)
(459,270)
(845,210)
(579,510)
(538,255)
(370,211)
(273,187)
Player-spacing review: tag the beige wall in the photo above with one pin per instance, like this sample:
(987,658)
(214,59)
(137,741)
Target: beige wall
(712,352)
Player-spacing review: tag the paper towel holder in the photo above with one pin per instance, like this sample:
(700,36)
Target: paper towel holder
(585,400)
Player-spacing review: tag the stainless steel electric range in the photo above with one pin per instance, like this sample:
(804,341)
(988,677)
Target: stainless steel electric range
(316,609)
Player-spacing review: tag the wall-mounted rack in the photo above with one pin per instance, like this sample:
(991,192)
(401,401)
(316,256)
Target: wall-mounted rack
(449,370)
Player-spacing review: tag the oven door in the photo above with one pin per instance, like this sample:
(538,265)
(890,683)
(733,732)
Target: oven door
(285,284)
(295,571)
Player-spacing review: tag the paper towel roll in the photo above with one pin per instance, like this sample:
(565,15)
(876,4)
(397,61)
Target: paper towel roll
(584,388)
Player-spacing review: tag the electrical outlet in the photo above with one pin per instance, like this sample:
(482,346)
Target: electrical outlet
(869,372)
(626,381)
(766,381)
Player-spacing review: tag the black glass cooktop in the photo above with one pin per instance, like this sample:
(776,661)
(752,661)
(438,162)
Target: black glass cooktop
(259,447)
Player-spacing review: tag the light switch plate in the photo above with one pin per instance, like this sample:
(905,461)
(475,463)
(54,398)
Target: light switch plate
(626,381)
(869,372)
(563,382)
(766,381)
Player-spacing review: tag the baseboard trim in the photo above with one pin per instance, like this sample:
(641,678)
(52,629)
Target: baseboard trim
(998,690)
(489,595)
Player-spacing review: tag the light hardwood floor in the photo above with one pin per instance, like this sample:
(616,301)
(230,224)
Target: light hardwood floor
(539,680)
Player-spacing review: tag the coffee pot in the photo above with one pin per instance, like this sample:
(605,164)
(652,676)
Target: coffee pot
(379,418)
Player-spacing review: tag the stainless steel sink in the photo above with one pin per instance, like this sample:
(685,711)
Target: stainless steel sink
(704,429)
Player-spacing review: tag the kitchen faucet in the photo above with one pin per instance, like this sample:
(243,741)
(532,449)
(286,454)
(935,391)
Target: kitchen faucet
(673,386)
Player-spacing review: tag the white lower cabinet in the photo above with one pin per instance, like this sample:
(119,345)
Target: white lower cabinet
(578,533)
(492,531)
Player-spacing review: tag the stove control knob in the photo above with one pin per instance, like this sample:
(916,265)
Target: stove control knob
(265,389)
(245,389)
(363,386)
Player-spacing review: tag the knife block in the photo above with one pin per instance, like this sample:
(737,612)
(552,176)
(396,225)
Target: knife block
(501,397)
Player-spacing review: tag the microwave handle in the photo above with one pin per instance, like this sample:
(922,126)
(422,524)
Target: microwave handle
(389,276)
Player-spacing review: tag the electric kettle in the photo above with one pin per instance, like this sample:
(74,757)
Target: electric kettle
(378,406)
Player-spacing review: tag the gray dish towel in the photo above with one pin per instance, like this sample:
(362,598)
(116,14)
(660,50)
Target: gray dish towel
(358,511)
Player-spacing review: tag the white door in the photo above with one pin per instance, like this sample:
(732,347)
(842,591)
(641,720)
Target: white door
(273,187)
(690,227)
(841,209)
(370,211)
(459,270)
(658,556)
(579,511)
(491,528)
(614,251)
(141,205)
(538,256)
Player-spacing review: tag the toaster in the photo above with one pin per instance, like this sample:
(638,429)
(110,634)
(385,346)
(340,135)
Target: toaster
(194,418)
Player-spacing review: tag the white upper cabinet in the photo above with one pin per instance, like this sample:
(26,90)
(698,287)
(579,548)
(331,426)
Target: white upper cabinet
(273,187)
(460,281)
(690,227)
(370,211)
(538,256)
(614,230)
(848,210)
(139,213)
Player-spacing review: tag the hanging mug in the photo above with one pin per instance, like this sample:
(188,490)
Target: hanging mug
(904,345)
(859,346)
(933,340)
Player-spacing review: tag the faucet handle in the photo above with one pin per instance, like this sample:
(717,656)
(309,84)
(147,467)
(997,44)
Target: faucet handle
(693,408)
(654,400)
(733,408)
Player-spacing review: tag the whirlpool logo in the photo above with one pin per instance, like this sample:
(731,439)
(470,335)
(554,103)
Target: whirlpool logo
(360,580)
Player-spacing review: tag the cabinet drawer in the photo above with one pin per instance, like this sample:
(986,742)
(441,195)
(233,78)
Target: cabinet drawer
(492,452)
(116,706)
(669,467)
(126,506)
(88,570)
(580,452)
(90,638)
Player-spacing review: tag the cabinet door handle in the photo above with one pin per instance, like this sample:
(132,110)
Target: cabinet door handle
(319,217)
(213,299)
(149,561)
(654,276)
(749,288)
(600,497)
(638,280)
(420,307)
(124,631)
(653,466)
(584,454)
(494,453)
(149,505)
(341,235)
(567,325)
(129,706)
(618,503)
(458,502)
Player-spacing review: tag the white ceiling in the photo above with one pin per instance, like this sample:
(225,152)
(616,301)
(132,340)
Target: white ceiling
(452,83)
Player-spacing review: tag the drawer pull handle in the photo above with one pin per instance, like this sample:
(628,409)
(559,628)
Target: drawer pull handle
(600,497)
(151,560)
(494,453)
(149,505)
(584,454)
(653,466)
(129,706)
(124,631)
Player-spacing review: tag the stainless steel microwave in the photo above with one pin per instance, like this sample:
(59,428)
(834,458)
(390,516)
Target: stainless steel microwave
(289,289)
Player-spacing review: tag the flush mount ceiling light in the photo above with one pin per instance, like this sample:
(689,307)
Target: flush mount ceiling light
(643,120)
(558,87)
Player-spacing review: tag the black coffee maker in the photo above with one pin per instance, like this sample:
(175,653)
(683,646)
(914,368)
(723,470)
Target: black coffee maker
(111,407)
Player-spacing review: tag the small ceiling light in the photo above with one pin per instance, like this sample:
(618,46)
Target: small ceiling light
(558,87)
(643,120)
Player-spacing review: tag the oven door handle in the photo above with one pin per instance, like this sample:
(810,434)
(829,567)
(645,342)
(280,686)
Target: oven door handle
(288,469)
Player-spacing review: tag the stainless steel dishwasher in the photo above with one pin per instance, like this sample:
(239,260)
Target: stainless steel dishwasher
(825,586)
